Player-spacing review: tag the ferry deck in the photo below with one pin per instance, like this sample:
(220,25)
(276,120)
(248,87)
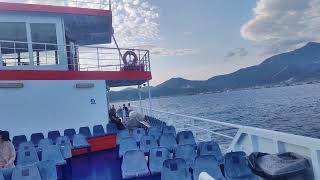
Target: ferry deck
(52,69)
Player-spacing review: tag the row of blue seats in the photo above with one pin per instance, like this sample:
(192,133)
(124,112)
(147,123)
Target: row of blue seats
(98,130)
(45,170)
(154,122)
(135,164)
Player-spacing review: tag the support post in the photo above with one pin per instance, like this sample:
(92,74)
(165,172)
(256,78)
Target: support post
(150,103)
(140,102)
(1,61)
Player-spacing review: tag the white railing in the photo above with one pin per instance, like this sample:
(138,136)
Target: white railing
(91,4)
(233,137)
(15,54)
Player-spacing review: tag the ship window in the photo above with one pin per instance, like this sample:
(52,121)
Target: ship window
(14,51)
(41,33)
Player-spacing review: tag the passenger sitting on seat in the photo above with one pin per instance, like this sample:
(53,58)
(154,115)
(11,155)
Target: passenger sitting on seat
(7,151)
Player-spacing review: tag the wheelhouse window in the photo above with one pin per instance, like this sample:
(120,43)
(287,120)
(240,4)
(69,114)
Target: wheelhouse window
(14,46)
(44,43)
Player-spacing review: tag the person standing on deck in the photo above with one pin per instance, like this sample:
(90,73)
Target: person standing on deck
(7,151)
(129,108)
(119,113)
(113,111)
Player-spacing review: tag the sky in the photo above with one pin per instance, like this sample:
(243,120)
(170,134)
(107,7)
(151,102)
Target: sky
(199,39)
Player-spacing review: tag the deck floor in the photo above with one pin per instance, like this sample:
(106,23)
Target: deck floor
(103,165)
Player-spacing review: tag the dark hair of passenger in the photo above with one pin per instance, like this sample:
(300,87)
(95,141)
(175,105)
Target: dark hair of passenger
(5,136)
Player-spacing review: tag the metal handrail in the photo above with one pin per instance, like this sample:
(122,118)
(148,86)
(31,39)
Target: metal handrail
(84,57)
(91,4)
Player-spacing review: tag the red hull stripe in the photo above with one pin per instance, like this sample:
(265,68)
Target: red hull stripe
(73,75)
(52,9)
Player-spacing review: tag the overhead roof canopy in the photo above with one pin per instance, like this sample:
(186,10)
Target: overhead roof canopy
(84,26)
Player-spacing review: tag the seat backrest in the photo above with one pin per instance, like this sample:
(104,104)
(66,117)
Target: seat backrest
(208,164)
(69,133)
(170,129)
(236,165)
(127,144)
(65,146)
(7,173)
(168,141)
(30,172)
(27,157)
(53,135)
(80,141)
(138,133)
(112,128)
(98,130)
(155,131)
(43,143)
(147,142)
(1,176)
(26,146)
(36,137)
(186,137)
(134,164)
(156,158)
(175,169)
(53,153)
(211,148)
(17,140)
(186,152)
(48,170)
(122,134)
(85,131)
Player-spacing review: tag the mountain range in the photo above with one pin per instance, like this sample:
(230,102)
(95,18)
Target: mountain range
(298,66)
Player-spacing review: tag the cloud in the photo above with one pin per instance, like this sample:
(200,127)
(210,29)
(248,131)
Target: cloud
(135,21)
(236,53)
(283,25)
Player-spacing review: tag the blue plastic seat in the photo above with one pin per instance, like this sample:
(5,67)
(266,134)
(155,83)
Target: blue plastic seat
(156,158)
(26,146)
(43,143)
(36,137)
(236,167)
(98,131)
(1,176)
(186,152)
(134,165)
(112,128)
(122,134)
(7,173)
(30,172)
(175,169)
(127,144)
(65,146)
(53,135)
(211,148)
(69,133)
(48,170)
(168,141)
(208,164)
(85,131)
(80,141)
(147,142)
(170,130)
(27,156)
(186,137)
(155,131)
(138,133)
(53,153)
(17,140)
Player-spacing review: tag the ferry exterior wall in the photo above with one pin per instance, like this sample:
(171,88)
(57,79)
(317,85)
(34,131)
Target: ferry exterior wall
(41,106)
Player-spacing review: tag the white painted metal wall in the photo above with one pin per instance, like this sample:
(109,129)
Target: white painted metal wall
(41,106)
